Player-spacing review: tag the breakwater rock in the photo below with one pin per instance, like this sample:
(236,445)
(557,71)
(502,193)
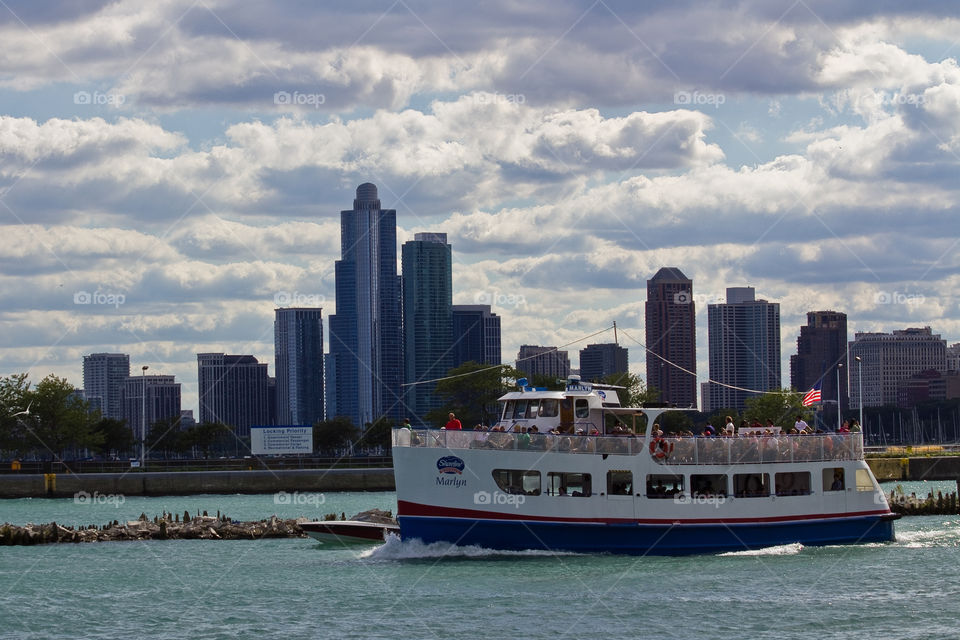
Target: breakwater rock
(166,527)
(931,505)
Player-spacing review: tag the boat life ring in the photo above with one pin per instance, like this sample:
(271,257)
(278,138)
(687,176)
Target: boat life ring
(660,449)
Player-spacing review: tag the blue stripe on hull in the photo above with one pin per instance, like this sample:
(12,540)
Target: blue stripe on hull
(645,539)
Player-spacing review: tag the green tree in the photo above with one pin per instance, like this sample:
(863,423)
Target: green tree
(471,391)
(207,437)
(337,433)
(165,436)
(781,406)
(635,392)
(377,434)
(13,400)
(59,419)
(115,436)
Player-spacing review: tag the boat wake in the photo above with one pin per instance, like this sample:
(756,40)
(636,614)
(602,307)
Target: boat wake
(396,549)
(947,535)
(779,550)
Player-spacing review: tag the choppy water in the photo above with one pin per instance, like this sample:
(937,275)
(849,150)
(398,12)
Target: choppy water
(284,588)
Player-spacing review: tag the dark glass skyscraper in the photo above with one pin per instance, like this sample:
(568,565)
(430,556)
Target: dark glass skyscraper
(600,360)
(366,340)
(670,316)
(821,348)
(476,334)
(233,391)
(104,375)
(298,349)
(427,319)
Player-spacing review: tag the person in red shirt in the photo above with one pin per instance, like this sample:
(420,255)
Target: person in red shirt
(453,423)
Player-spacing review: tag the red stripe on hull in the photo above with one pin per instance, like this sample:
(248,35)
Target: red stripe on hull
(405,508)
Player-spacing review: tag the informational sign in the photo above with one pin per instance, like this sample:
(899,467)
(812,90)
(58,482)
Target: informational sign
(277,440)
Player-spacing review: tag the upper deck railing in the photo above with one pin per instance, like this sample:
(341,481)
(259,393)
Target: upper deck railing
(671,451)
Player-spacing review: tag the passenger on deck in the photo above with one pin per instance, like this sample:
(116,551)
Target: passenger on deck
(800,424)
(453,423)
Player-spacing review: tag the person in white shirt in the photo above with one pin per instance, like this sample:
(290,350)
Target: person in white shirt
(800,425)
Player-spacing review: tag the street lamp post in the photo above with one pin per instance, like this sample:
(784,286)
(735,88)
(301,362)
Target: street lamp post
(860,388)
(143,416)
(839,412)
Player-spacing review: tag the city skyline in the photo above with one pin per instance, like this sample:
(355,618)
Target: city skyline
(159,210)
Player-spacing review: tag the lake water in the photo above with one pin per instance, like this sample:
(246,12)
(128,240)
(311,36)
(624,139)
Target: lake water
(294,587)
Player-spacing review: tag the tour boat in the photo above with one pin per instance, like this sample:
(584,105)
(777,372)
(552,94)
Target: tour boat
(625,489)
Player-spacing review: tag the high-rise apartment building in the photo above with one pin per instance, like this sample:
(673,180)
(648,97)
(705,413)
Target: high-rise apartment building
(670,315)
(427,279)
(234,390)
(744,348)
(543,361)
(298,353)
(103,379)
(886,359)
(365,333)
(821,355)
(162,401)
(476,334)
(600,360)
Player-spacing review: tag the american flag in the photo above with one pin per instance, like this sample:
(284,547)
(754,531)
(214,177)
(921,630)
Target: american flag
(812,396)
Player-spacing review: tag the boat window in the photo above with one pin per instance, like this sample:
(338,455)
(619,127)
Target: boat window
(793,483)
(549,408)
(520,409)
(664,485)
(577,485)
(619,483)
(532,410)
(517,481)
(751,485)
(709,485)
(865,480)
(508,411)
(582,408)
(833,479)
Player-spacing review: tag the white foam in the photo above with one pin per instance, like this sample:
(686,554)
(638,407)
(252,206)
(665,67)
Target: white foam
(396,549)
(779,550)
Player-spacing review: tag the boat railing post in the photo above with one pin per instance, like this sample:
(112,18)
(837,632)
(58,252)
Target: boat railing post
(729,450)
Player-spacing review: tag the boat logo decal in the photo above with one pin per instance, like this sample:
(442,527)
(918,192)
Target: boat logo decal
(450,464)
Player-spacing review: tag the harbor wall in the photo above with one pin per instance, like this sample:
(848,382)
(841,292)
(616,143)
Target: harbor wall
(64,485)
(933,468)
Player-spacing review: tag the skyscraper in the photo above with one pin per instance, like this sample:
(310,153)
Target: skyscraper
(298,351)
(365,333)
(744,345)
(476,334)
(103,378)
(886,359)
(233,391)
(543,361)
(600,360)
(427,319)
(670,315)
(821,350)
(162,400)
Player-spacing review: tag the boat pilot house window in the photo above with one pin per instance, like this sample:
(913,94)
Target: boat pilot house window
(619,483)
(517,481)
(582,408)
(833,479)
(793,483)
(569,484)
(664,486)
(751,485)
(549,408)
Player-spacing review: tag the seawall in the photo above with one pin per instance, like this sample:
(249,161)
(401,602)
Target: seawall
(943,468)
(160,483)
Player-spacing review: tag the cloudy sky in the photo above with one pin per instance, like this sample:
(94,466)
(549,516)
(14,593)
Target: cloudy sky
(169,170)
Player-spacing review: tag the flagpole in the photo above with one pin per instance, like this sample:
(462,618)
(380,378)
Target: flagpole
(839,366)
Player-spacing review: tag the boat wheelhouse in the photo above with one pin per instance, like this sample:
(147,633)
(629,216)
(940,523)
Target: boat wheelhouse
(625,489)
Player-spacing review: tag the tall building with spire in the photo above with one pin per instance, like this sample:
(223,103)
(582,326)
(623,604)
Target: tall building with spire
(670,315)
(298,349)
(366,341)
(427,319)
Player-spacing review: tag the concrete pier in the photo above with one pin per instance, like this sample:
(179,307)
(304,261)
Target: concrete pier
(942,468)
(149,483)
